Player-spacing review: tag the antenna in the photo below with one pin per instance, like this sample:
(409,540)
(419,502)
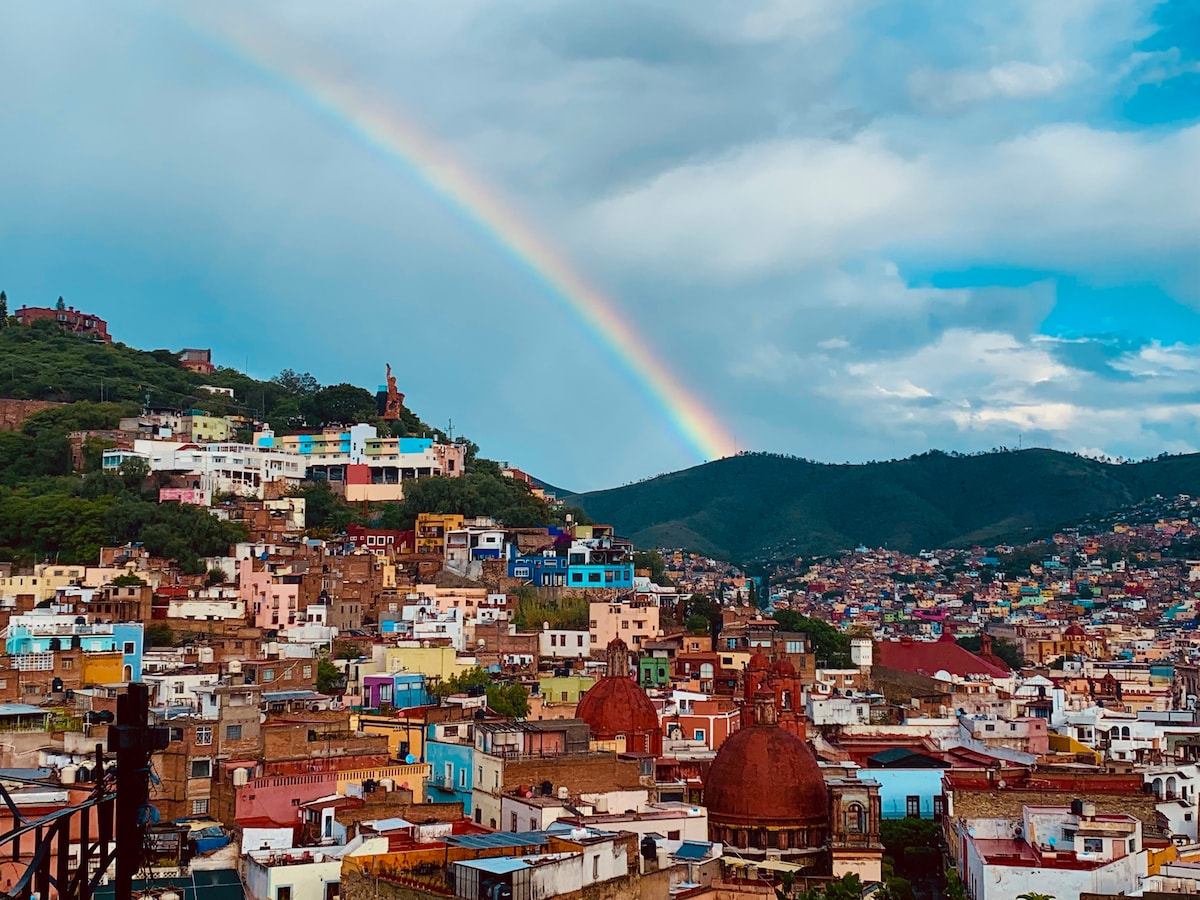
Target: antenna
(450,430)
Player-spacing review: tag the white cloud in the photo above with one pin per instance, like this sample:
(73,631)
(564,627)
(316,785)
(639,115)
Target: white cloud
(1069,196)
(942,91)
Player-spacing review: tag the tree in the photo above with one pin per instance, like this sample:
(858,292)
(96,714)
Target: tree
(341,404)
(652,560)
(3,310)
(159,634)
(831,647)
(127,580)
(295,383)
(216,575)
(61,304)
(1034,895)
(848,887)
(330,679)
(511,700)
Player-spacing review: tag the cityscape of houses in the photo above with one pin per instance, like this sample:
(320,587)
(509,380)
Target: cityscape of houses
(475,709)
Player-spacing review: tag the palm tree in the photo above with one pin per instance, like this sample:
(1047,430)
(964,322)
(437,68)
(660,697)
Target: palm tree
(1034,895)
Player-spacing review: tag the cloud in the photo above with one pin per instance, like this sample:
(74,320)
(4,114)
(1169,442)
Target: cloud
(943,92)
(1063,195)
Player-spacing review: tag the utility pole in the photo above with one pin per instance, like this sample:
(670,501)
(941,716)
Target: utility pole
(133,740)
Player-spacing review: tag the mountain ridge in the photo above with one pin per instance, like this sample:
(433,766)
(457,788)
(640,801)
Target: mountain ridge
(761,506)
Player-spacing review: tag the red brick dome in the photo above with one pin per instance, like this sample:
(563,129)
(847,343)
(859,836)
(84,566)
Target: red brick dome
(616,706)
(766,776)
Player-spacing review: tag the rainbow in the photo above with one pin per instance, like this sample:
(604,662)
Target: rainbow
(379,125)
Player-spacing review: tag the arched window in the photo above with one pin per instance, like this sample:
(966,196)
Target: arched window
(706,670)
(1158,786)
(856,819)
(1125,731)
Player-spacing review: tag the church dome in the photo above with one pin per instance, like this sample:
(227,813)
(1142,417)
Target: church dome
(616,706)
(766,776)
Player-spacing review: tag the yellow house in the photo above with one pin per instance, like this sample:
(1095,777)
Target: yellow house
(401,776)
(431,531)
(564,688)
(106,667)
(211,428)
(44,582)
(432,662)
(405,734)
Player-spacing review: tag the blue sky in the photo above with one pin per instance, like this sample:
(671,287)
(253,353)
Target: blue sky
(858,230)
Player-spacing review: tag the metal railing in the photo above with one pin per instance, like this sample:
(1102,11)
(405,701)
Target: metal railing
(50,862)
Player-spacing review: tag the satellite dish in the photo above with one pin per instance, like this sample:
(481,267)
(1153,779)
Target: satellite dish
(410,759)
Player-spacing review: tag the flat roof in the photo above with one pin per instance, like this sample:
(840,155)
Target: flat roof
(21,709)
(498,865)
(499,839)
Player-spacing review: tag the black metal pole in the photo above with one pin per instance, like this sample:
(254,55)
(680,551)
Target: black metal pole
(133,740)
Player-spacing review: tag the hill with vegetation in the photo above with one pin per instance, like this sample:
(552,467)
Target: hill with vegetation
(49,512)
(759,507)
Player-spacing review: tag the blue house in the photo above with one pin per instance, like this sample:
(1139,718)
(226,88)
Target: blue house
(129,639)
(605,575)
(540,571)
(910,783)
(452,768)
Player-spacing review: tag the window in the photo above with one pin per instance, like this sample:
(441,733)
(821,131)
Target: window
(533,824)
(856,819)
(698,734)
(307,671)
(462,777)
(989,727)
(130,648)
(1093,845)
(176,734)
(201,768)
(283,892)
(672,835)
(912,806)
(939,807)
(596,867)
(268,675)
(203,736)
(513,820)
(1069,837)
(233,732)
(794,647)
(68,664)
(479,775)
(200,807)
(593,577)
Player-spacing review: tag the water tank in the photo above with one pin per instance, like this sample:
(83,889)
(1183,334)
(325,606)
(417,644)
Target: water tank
(1089,810)
(241,777)
(235,667)
(43,758)
(387,784)
(66,775)
(169,895)
(601,805)
(563,793)
(206,654)
(318,856)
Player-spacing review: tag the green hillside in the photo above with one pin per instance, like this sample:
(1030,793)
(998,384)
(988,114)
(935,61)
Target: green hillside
(758,506)
(48,511)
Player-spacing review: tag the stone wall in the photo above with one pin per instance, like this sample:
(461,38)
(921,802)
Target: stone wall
(997,803)
(13,413)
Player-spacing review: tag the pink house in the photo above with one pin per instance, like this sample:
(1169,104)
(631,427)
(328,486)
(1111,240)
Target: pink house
(271,601)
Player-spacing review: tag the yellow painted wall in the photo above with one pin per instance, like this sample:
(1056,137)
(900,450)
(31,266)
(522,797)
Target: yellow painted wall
(102,668)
